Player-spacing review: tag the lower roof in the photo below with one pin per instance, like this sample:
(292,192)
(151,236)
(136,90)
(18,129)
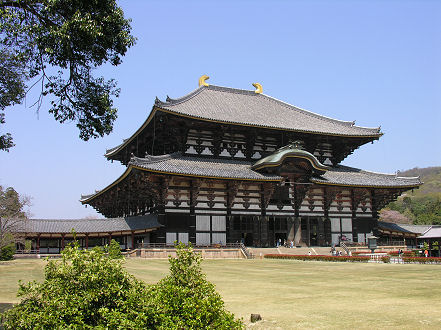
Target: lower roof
(212,168)
(85,226)
(350,176)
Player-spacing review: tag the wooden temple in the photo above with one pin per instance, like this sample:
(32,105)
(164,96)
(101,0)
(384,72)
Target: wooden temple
(225,165)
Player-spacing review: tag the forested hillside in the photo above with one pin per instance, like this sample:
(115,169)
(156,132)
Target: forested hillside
(423,205)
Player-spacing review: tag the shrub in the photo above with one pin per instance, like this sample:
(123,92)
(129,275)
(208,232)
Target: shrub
(186,300)
(89,289)
(7,252)
(318,257)
(385,259)
(84,289)
(114,250)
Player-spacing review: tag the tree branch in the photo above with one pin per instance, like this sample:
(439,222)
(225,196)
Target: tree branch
(28,7)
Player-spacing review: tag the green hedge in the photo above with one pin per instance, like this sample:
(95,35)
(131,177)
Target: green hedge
(318,258)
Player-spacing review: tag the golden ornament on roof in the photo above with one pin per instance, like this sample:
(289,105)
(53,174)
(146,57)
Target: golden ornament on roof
(258,88)
(202,80)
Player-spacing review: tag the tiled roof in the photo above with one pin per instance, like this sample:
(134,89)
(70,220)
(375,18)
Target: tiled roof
(418,229)
(177,164)
(433,232)
(394,227)
(204,167)
(344,175)
(91,225)
(246,107)
(209,167)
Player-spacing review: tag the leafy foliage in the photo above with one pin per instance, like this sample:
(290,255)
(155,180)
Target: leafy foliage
(7,252)
(186,300)
(59,43)
(88,289)
(84,289)
(12,217)
(114,250)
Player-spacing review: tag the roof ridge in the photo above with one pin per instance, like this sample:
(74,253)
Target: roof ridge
(61,220)
(171,101)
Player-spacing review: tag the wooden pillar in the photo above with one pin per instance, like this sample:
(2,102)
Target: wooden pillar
(133,240)
(291,228)
(62,241)
(298,231)
(321,232)
(308,232)
(87,241)
(260,220)
(374,213)
(110,238)
(38,242)
(354,206)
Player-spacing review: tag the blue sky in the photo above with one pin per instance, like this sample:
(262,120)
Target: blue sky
(376,62)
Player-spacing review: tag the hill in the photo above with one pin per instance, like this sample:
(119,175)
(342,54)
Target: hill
(431,176)
(420,206)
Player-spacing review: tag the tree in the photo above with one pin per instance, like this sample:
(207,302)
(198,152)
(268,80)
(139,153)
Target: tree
(12,219)
(58,43)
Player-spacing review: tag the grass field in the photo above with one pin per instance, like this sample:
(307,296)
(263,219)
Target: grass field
(294,294)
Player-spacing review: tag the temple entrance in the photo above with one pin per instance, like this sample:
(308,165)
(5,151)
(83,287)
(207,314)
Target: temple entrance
(281,236)
(313,232)
(247,239)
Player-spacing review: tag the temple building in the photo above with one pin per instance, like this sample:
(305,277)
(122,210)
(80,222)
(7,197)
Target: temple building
(224,165)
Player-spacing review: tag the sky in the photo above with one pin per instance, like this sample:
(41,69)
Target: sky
(375,62)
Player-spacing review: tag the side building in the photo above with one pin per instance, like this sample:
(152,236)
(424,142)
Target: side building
(224,165)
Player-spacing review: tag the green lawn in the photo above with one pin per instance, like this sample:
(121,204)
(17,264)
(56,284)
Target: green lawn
(294,294)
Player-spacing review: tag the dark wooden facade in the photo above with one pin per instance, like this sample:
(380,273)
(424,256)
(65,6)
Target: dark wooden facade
(199,176)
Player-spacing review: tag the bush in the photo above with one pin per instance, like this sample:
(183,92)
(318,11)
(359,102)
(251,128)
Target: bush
(88,289)
(7,252)
(385,259)
(114,250)
(318,257)
(186,300)
(84,289)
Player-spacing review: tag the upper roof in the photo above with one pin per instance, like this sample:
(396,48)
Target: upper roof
(62,226)
(245,107)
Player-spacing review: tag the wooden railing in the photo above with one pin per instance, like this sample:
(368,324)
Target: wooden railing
(387,242)
(27,251)
(239,246)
